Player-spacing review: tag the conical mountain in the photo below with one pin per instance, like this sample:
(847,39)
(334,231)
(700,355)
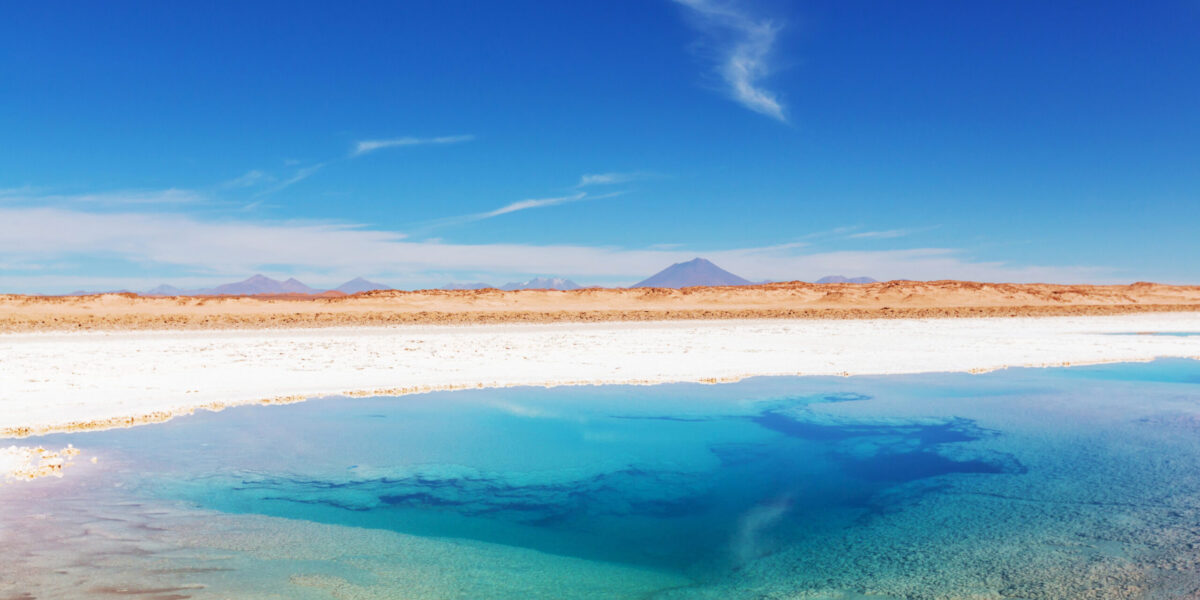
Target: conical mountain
(358,284)
(293,286)
(165,290)
(692,273)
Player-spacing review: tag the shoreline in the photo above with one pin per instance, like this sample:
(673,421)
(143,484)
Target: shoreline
(126,422)
(89,380)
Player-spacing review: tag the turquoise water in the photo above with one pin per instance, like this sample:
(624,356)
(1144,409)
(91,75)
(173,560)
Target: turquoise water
(1026,483)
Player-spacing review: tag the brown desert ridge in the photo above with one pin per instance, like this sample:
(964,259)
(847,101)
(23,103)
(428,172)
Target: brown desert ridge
(791,300)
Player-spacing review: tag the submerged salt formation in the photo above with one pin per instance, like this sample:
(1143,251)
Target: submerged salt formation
(26,463)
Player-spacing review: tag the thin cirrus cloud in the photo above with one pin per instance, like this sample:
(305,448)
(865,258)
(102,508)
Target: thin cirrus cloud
(368,146)
(592,179)
(531,203)
(587,180)
(269,184)
(299,175)
(251,178)
(741,46)
(165,197)
(880,235)
(513,207)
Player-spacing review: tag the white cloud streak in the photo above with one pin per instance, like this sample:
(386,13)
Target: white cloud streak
(531,203)
(237,248)
(250,178)
(742,47)
(300,175)
(258,178)
(167,197)
(608,179)
(517,206)
(880,235)
(367,146)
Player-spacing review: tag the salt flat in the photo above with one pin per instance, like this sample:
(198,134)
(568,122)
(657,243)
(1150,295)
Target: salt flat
(53,381)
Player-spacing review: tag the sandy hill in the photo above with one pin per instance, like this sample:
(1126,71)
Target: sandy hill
(776,300)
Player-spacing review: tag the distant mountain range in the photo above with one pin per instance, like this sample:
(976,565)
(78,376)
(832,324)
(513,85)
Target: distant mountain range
(542,283)
(537,283)
(695,272)
(840,279)
(261,284)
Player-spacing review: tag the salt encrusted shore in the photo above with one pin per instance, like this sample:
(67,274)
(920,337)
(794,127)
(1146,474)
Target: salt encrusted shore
(88,380)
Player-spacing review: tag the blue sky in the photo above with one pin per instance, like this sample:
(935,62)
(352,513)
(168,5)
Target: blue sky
(422,143)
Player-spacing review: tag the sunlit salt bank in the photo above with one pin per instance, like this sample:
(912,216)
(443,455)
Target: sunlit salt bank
(53,382)
(1028,483)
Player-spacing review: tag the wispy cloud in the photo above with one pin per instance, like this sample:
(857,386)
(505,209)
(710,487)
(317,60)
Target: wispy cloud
(270,184)
(531,203)
(742,47)
(248,179)
(297,176)
(880,235)
(513,207)
(166,197)
(366,146)
(856,232)
(609,178)
(24,190)
(828,233)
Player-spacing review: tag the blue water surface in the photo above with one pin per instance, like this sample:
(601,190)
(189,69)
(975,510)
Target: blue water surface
(911,486)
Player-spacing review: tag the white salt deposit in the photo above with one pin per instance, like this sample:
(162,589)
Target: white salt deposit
(60,381)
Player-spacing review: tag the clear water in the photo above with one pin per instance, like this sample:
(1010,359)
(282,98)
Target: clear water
(1044,483)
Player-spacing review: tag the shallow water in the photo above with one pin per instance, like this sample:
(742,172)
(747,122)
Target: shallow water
(1026,483)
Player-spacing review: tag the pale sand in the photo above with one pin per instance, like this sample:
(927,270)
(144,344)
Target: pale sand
(794,300)
(87,380)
